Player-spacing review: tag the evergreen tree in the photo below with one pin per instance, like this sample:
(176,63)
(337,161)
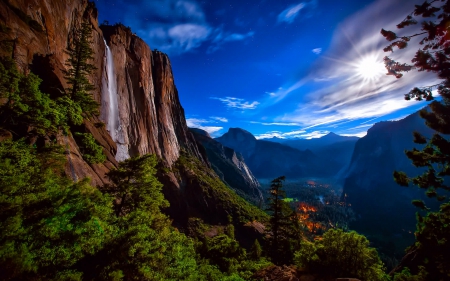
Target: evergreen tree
(47,222)
(282,226)
(26,111)
(146,246)
(433,56)
(80,53)
(256,250)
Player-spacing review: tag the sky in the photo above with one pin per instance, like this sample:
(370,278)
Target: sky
(284,68)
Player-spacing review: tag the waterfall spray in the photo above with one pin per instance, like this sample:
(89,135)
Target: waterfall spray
(110,107)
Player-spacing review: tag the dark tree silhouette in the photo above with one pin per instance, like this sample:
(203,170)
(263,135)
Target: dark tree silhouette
(432,56)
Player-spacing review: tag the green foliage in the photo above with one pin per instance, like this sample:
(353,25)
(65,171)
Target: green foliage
(284,229)
(146,246)
(27,111)
(91,151)
(256,250)
(48,223)
(80,53)
(341,254)
(210,185)
(405,275)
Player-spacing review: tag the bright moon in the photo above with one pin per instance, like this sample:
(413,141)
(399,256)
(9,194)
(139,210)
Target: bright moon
(370,68)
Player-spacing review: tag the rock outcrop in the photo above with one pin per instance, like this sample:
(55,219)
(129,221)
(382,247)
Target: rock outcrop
(230,166)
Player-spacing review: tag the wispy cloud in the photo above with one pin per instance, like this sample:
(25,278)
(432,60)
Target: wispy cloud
(238,103)
(351,95)
(289,14)
(317,51)
(275,123)
(220,38)
(176,26)
(219,119)
(301,134)
(202,124)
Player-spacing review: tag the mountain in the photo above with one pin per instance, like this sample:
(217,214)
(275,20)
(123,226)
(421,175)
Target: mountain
(230,167)
(139,104)
(268,160)
(383,207)
(332,148)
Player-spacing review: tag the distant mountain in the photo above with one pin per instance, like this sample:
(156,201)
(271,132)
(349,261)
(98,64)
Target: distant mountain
(230,167)
(383,206)
(268,159)
(314,144)
(332,148)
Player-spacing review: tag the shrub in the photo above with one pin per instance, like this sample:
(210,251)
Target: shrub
(341,254)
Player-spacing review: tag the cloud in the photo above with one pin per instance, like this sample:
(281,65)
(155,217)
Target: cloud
(220,119)
(290,13)
(350,95)
(221,37)
(274,123)
(317,51)
(302,134)
(359,135)
(199,123)
(175,26)
(237,103)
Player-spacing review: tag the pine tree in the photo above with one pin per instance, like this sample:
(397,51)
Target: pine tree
(80,53)
(433,56)
(282,225)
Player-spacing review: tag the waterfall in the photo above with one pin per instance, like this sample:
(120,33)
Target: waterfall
(110,107)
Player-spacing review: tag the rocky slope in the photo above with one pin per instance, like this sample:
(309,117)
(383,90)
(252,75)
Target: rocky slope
(268,160)
(230,166)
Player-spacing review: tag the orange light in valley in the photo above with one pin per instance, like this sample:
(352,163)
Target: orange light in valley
(311,183)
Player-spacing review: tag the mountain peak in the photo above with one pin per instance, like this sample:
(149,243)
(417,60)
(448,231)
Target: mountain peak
(240,134)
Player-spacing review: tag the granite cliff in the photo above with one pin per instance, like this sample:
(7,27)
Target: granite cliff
(150,117)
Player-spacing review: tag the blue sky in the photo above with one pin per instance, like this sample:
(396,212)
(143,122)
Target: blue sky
(278,68)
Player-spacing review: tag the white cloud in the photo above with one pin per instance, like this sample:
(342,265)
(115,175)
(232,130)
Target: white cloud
(237,103)
(175,26)
(274,123)
(199,123)
(317,51)
(359,135)
(302,134)
(220,119)
(352,96)
(290,13)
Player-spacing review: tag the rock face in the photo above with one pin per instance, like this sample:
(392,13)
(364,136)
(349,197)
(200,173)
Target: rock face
(381,205)
(150,112)
(149,107)
(230,167)
(268,160)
